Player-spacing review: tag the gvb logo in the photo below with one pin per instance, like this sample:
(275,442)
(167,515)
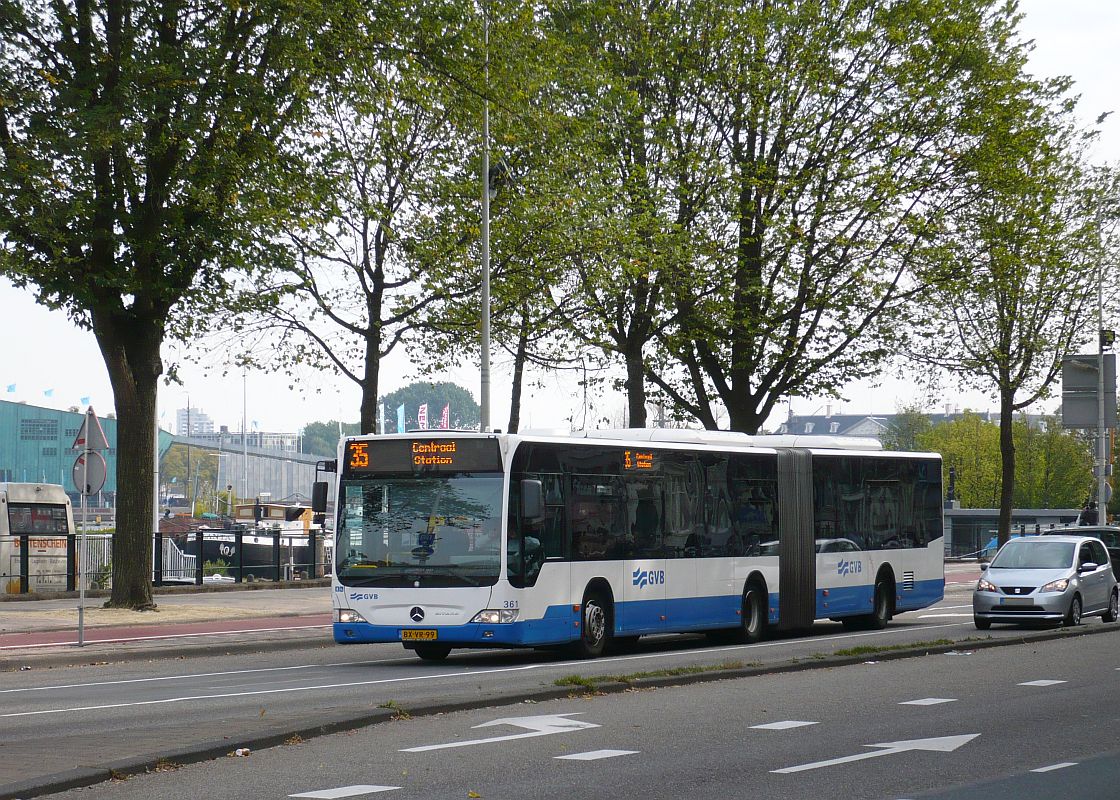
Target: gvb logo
(648,577)
(845,567)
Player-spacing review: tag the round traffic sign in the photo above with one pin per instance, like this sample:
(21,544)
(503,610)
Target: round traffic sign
(91,475)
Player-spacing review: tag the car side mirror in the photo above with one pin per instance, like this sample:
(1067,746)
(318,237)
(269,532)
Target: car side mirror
(1088,566)
(983,566)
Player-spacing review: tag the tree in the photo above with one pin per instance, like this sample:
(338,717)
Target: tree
(1054,469)
(649,169)
(1024,248)
(141,163)
(321,438)
(840,126)
(360,281)
(463,411)
(907,429)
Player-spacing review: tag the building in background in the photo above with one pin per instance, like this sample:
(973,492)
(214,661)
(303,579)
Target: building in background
(193,422)
(36,446)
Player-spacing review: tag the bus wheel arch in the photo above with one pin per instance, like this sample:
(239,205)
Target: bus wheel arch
(596,627)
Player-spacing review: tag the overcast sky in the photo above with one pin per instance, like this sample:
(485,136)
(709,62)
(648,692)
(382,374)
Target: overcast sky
(44,353)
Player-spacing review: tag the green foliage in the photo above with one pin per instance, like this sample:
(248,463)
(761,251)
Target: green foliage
(1053,466)
(321,438)
(219,567)
(464,411)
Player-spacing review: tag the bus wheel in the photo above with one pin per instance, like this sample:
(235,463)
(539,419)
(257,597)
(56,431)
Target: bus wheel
(594,629)
(753,620)
(433,652)
(882,613)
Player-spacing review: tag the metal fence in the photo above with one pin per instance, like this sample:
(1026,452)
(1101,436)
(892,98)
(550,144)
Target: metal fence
(31,563)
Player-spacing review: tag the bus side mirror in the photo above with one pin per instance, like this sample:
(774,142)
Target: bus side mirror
(532,499)
(319,497)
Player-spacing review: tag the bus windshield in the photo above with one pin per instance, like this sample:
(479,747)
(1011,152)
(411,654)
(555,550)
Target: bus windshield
(425,530)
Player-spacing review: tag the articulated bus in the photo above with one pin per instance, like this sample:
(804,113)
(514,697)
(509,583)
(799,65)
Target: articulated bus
(449,539)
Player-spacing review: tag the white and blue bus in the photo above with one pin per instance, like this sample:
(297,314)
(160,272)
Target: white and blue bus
(449,539)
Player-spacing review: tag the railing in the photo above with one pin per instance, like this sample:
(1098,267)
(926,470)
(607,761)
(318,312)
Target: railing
(34,563)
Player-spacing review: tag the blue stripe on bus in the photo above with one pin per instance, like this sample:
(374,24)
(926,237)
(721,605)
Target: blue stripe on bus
(560,623)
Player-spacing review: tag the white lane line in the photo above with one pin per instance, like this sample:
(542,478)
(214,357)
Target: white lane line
(162,636)
(595,755)
(345,791)
(931,616)
(928,701)
(1053,767)
(195,675)
(1041,683)
(259,692)
(785,725)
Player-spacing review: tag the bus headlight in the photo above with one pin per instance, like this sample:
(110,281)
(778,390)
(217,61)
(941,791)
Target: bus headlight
(496,616)
(349,615)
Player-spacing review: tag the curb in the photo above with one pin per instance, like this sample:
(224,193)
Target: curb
(205,751)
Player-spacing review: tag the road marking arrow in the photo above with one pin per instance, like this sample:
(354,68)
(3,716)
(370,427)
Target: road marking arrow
(943,744)
(543,725)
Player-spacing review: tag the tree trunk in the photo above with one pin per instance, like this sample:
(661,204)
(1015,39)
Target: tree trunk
(518,375)
(131,355)
(1007,456)
(368,410)
(635,389)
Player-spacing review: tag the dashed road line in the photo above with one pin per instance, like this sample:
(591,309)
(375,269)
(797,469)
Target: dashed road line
(595,755)
(782,726)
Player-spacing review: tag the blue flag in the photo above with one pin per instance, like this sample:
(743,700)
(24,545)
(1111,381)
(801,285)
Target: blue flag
(11,387)
(48,393)
(400,418)
(85,401)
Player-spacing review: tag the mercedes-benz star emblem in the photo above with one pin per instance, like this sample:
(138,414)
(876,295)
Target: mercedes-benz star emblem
(416,613)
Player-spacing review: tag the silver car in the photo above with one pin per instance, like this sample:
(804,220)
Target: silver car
(1057,579)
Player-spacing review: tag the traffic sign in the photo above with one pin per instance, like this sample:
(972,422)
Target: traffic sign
(90,472)
(90,436)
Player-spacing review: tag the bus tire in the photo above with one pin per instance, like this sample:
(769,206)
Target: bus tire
(594,628)
(754,614)
(881,613)
(432,652)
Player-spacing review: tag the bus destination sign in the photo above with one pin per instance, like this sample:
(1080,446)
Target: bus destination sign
(637,460)
(427,455)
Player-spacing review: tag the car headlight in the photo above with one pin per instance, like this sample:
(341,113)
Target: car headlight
(1056,586)
(496,616)
(349,615)
(986,585)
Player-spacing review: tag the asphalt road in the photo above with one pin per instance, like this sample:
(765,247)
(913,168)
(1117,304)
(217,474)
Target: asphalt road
(121,716)
(1032,720)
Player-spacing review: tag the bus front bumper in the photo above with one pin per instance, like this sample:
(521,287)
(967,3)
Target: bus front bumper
(550,630)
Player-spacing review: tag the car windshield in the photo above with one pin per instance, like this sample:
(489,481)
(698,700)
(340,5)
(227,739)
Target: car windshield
(418,530)
(1034,554)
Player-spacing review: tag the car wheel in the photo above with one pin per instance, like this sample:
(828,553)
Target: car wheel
(981,623)
(433,652)
(594,628)
(1073,616)
(1113,610)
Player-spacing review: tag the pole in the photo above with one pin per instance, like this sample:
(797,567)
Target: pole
(1102,459)
(485,393)
(82,548)
(244,437)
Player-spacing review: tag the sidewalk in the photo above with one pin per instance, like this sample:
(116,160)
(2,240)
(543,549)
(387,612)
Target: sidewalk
(43,633)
